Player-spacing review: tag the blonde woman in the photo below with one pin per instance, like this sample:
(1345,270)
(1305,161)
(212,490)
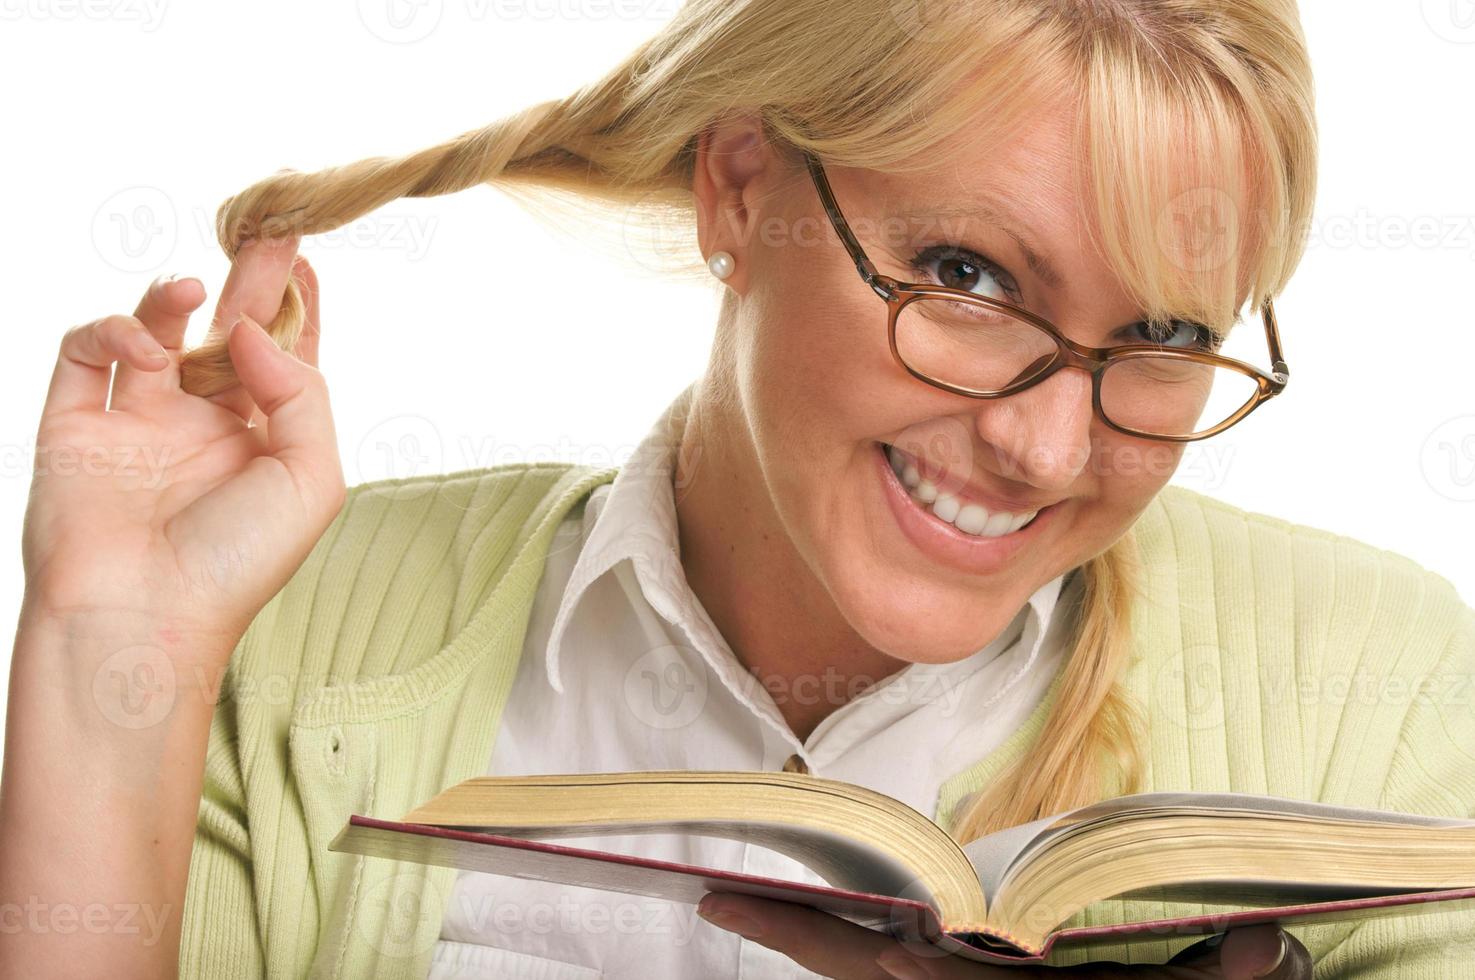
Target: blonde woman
(962,347)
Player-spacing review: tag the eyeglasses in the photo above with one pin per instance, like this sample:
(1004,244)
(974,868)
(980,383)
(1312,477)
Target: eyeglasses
(981,347)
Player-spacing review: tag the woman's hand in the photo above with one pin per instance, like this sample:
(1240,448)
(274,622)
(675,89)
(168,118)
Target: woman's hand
(159,524)
(833,947)
(191,511)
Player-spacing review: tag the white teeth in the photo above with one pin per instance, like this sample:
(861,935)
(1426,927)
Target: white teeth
(946,506)
(998,524)
(970,519)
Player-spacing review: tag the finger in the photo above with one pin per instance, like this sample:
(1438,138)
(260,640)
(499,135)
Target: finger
(165,311)
(257,279)
(293,398)
(307,284)
(900,962)
(166,307)
(1263,951)
(84,363)
(822,943)
(918,960)
(258,276)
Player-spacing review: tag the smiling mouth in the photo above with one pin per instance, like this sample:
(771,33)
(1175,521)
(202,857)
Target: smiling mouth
(968,516)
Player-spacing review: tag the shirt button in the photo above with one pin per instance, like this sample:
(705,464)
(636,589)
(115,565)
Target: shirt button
(795,764)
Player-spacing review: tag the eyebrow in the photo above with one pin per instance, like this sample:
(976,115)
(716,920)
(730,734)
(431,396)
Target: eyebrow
(992,214)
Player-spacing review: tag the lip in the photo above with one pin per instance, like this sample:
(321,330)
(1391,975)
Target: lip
(941,541)
(965,492)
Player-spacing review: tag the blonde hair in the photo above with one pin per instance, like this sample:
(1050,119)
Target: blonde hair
(1186,105)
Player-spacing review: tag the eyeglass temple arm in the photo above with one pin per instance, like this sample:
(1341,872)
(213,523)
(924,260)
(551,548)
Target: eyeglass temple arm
(1279,370)
(863,264)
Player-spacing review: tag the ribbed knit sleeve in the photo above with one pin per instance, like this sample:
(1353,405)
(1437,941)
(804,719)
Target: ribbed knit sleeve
(1282,659)
(1432,771)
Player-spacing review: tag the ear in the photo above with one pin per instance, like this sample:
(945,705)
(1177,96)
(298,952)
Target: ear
(734,167)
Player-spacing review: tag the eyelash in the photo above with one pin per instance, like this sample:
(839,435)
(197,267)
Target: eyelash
(1207,339)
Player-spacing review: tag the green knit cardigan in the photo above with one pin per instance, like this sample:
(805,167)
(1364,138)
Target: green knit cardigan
(1269,657)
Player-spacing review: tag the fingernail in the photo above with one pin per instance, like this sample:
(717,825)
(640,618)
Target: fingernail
(1285,947)
(744,926)
(175,277)
(903,967)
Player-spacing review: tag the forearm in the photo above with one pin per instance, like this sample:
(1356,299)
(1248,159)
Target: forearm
(107,726)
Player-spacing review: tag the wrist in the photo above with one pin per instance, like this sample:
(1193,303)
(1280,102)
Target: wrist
(111,672)
(84,633)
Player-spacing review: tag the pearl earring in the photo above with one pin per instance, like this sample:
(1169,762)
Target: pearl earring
(721,264)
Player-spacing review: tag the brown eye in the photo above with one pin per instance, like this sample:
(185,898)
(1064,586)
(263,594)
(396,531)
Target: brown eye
(1178,333)
(961,268)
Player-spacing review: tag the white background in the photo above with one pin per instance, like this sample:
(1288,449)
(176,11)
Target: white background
(127,122)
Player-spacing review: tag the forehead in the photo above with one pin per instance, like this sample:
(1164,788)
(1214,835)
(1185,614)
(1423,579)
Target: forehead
(1027,184)
(1038,160)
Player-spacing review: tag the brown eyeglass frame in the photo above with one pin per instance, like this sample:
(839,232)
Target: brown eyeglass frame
(898,294)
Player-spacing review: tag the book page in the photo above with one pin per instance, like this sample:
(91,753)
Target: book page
(994,856)
(1198,803)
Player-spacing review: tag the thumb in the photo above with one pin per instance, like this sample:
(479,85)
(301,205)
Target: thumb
(1263,951)
(263,367)
(1259,952)
(293,396)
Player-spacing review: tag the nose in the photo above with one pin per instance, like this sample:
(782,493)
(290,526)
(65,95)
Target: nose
(1042,435)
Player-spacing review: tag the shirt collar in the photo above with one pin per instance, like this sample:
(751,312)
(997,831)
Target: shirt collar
(636,519)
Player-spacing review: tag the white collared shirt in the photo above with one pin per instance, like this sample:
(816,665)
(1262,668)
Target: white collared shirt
(622,669)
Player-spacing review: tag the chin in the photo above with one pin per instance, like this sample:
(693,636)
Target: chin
(922,618)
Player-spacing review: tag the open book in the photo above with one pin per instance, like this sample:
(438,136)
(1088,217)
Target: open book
(1001,898)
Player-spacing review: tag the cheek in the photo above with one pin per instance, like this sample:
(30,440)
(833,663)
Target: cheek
(812,373)
(814,347)
(1130,472)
